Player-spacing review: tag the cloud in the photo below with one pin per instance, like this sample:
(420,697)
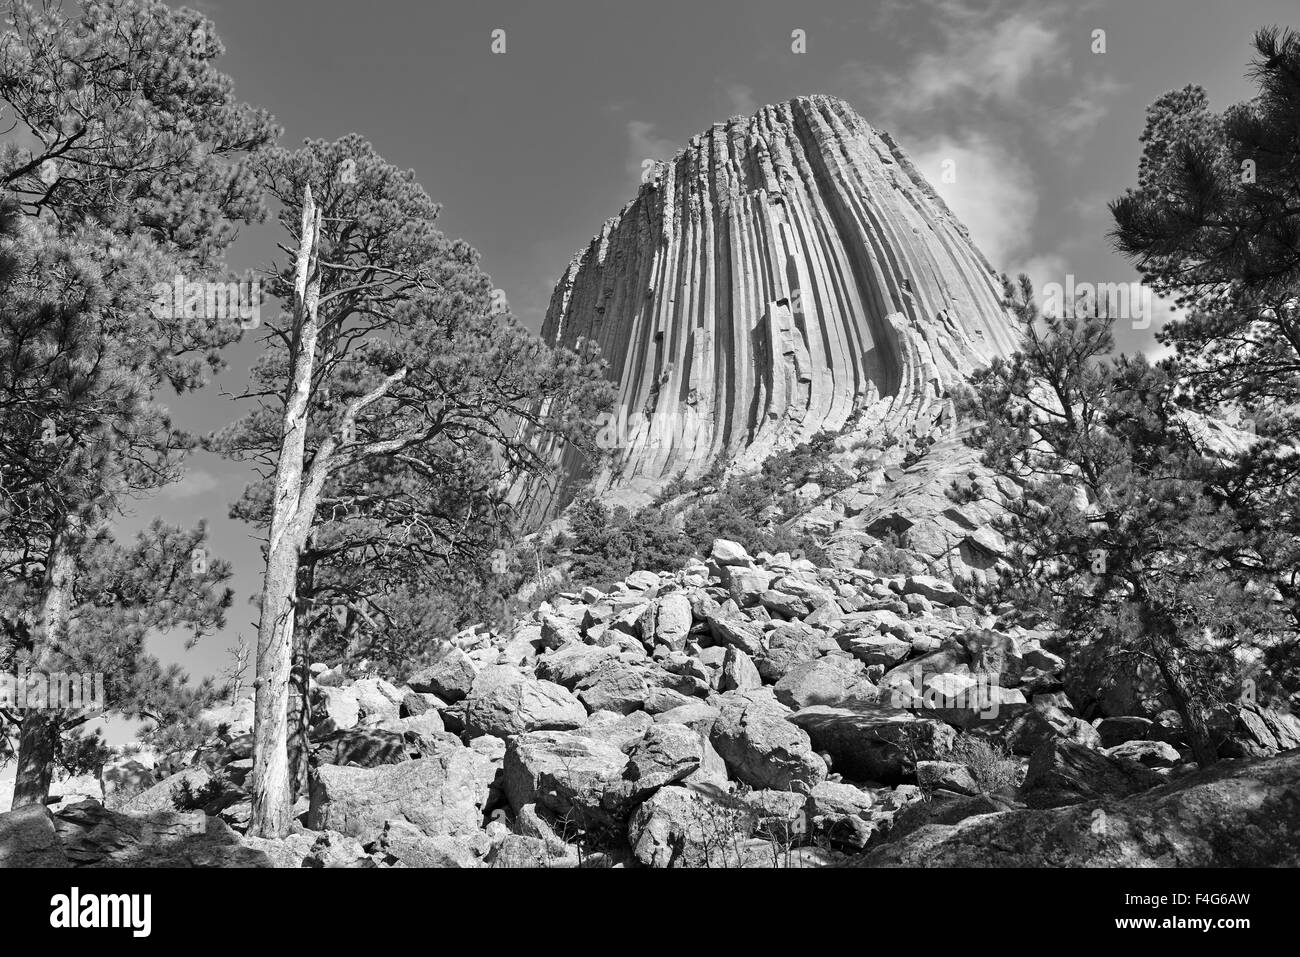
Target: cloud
(643,143)
(1041,269)
(1084,111)
(982,57)
(992,193)
(740,99)
(195,482)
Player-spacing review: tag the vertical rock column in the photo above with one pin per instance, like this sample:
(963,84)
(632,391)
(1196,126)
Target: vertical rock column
(785,274)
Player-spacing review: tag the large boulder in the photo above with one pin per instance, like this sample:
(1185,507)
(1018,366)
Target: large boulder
(451,677)
(745,585)
(1255,731)
(726,552)
(789,645)
(1149,754)
(311,849)
(579,780)
(28,839)
(745,635)
(678,827)
(943,807)
(937,590)
(874,649)
(1062,772)
(1235,814)
(1030,730)
(403,841)
(572,664)
(236,717)
(762,748)
(831,680)
(523,851)
(443,793)
(738,672)
(671,622)
(334,709)
(698,716)
(616,686)
(907,683)
(378,699)
(783,604)
(123,777)
(1120,728)
(946,776)
(620,730)
(93,836)
(365,748)
(165,795)
(515,707)
(842,813)
(872,742)
(558,631)
(668,753)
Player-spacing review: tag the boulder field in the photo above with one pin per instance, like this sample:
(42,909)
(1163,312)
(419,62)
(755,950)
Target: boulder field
(752,711)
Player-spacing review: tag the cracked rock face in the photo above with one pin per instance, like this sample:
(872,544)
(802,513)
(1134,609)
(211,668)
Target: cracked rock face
(786,273)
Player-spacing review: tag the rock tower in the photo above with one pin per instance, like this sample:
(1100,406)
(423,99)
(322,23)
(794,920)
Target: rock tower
(786,273)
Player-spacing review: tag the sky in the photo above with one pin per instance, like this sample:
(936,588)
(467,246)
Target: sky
(529,150)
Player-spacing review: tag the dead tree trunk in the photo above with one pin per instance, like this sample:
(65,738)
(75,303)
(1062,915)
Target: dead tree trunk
(271,785)
(293,512)
(300,698)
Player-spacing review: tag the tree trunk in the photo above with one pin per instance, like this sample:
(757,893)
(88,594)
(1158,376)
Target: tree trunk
(271,801)
(1198,734)
(300,697)
(290,520)
(37,743)
(1159,633)
(299,718)
(39,735)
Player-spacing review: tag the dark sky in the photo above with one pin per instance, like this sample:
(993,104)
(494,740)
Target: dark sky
(531,150)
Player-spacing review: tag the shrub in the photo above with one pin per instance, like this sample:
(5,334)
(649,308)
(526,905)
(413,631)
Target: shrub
(604,546)
(890,557)
(187,798)
(992,767)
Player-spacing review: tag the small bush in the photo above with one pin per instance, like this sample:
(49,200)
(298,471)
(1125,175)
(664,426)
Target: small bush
(186,798)
(605,546)
(992,767)
(890,557)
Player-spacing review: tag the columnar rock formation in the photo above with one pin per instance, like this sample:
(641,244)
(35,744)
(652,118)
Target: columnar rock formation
(786,273)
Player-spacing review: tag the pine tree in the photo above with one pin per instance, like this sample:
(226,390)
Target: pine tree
(135,172)
(1118,534)
(390,408)
(1215,221)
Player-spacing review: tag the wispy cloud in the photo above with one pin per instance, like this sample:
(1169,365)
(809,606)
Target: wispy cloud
(1041,269)
(992,191)
(195,482)
(982,56)
(994,87)
(739,99)
(1083,111)
(643,143)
